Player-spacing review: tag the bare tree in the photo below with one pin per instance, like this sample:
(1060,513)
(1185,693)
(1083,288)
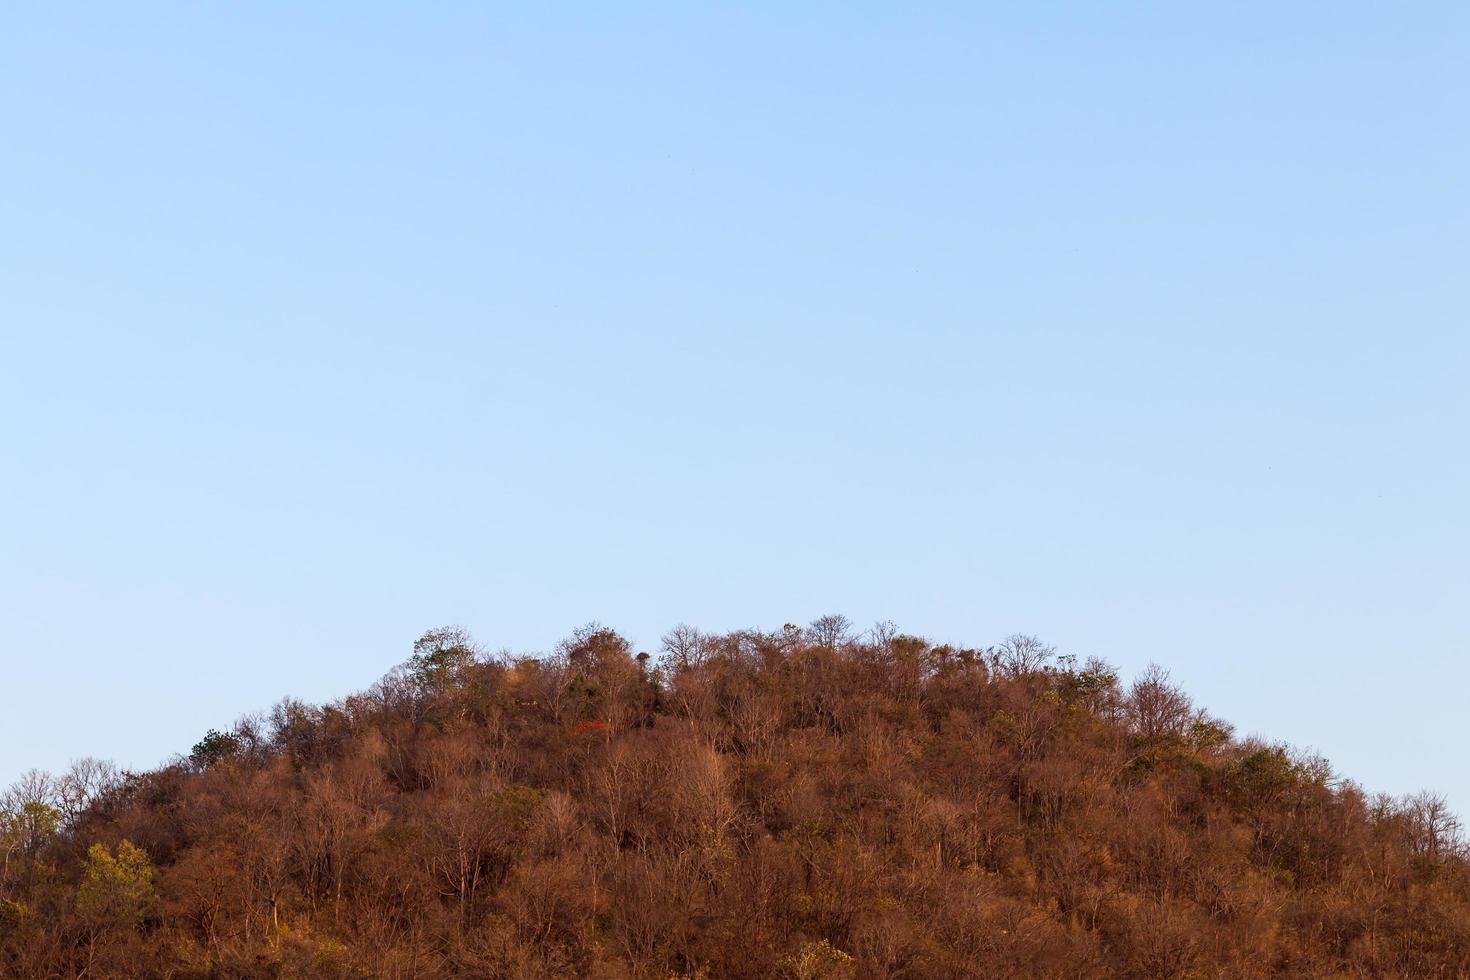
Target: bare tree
(1434,830)
(830,630)
(1022,653)
(684,646)
(87,779)
(883,633)
(1156,708)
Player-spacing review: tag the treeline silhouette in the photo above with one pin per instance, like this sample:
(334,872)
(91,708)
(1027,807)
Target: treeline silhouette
(803,803)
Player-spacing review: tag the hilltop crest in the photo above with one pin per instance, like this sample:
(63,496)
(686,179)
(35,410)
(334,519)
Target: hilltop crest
(801,803)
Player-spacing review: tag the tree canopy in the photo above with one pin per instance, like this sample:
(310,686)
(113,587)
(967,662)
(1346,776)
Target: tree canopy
(810,802)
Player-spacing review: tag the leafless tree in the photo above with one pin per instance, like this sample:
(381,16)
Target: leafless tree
(883,633)
(1434,830)
(1156,708)
(1021,653)
(83,782)
(830,630)
(684,646)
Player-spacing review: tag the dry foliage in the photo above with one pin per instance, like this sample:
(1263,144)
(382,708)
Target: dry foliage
(801,804)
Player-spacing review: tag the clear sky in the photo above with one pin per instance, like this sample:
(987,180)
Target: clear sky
(1144,328)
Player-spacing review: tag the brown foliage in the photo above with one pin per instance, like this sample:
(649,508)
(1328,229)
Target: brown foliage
(797,803)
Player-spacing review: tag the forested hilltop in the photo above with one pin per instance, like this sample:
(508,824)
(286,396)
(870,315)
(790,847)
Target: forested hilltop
(804,803)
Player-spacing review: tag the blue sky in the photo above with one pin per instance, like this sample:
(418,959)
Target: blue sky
(1143,329)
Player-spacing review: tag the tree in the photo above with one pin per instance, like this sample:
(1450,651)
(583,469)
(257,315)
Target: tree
(85,780)
(1157,709)
(26,830)
(1434,830)
(683,646)
(883,632)
(1020,654)
(212,748)
(116,890)
(30,820)
(830,630)
(439,655)
(597,650)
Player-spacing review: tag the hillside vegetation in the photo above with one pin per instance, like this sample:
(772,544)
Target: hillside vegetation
(799,804)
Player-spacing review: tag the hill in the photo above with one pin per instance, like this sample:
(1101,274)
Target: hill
(798,803)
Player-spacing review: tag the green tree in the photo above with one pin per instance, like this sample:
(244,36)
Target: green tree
(25,831)
(116,890)
(439,655)
(213,747)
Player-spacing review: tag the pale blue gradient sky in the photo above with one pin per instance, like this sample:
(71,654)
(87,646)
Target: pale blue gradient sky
(1146,330)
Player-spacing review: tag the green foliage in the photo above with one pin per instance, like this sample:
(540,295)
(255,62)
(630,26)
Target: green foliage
(35,823)
(116,890)
(26,832)
(1207,733)
(1096,679)
(214,747)
(817,961)
(438,656)
(1262,775)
